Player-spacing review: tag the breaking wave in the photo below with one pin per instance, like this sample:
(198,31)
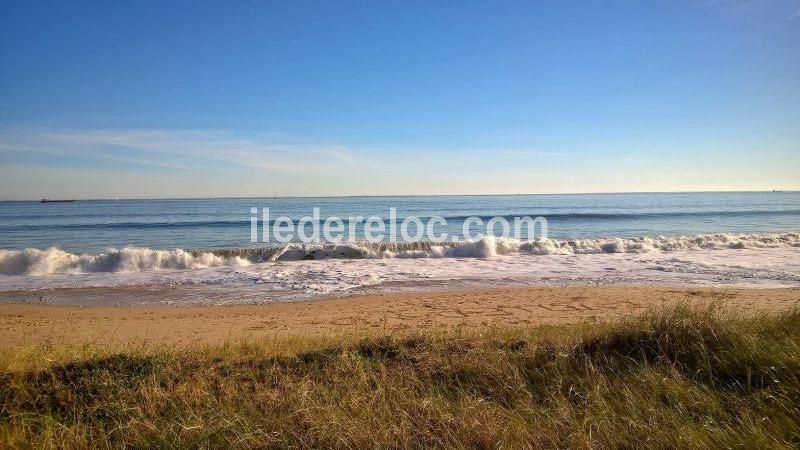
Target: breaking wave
(136,259)
(32,261)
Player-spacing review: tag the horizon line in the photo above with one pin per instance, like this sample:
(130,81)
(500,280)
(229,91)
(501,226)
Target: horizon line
(407,195)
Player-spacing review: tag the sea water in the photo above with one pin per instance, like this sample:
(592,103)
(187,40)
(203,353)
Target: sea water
(744,238)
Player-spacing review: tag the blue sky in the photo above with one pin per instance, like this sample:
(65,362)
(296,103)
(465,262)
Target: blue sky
(188,99)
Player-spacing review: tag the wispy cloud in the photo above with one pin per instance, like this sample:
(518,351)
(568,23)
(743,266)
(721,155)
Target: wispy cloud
(144,163)
(190,150)
(180,149)
(796,15)
(522,153)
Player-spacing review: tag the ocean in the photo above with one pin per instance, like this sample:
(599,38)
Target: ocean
(208,242)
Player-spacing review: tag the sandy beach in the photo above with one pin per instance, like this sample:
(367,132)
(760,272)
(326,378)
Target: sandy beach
(26,324)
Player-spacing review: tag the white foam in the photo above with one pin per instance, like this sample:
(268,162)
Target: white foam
(129,259)
(288,280)
(648,244)
(35,262)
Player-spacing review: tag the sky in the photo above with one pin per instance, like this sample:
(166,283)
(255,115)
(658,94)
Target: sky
(212,99)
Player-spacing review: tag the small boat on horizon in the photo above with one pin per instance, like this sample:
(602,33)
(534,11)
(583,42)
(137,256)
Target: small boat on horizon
(47,200)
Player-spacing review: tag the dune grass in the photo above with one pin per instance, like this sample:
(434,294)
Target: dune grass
(677,378)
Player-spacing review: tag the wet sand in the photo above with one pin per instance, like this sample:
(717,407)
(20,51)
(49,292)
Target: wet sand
(27,324)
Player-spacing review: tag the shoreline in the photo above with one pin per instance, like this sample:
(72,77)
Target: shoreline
(395,313)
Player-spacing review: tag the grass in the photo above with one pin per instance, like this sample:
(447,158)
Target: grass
(677,378)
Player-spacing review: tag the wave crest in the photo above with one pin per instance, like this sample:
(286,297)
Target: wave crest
(134,259)
(32,261)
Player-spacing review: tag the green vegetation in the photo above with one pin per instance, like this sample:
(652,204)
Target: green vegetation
(679,378)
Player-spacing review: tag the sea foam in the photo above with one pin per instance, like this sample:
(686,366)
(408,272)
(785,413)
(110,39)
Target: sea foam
(136,259)
(129,259)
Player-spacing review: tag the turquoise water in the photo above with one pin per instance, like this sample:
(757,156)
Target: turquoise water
(96,225)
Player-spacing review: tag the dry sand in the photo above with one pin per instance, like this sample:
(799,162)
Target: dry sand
(25,324)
